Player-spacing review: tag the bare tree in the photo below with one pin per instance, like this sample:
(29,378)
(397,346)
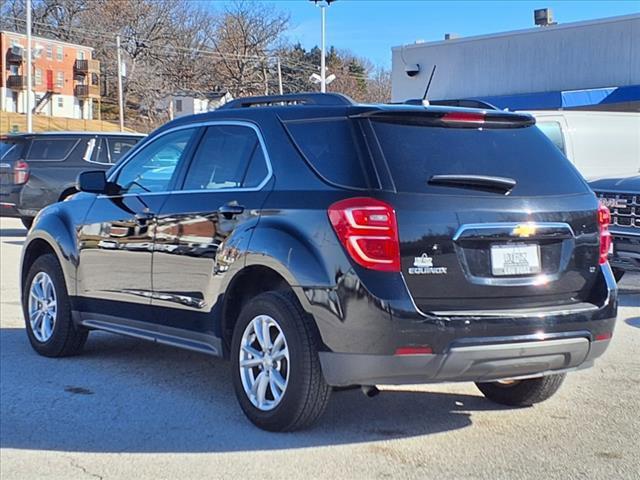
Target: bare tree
(379,86)
(243,39)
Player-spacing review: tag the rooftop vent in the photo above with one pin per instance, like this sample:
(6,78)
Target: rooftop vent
(543,17)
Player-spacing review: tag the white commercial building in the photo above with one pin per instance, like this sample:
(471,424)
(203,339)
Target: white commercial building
(591,64)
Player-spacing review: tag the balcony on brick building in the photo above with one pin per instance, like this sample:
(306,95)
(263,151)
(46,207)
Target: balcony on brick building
(17,82)
(86,67)
(87,91)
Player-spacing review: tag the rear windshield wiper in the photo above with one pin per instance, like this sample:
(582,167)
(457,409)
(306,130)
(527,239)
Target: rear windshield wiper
(480,182)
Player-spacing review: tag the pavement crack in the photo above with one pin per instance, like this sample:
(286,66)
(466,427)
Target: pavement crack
(77,466)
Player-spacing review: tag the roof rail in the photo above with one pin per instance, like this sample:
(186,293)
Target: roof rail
(325,99)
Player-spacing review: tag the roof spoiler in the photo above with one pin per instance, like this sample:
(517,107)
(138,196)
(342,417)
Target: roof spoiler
(462,102)
(439,116)
(323,99)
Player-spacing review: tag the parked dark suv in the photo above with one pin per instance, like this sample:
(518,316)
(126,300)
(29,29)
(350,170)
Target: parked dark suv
(39,169)
(318,243)
(622,196)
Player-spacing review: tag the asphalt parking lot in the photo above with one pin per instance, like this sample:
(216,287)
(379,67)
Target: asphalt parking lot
(130,409)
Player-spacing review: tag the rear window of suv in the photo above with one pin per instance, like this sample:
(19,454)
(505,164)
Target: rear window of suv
(415,153)
(50,148)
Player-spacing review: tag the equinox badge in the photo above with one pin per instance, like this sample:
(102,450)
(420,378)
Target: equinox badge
(423,265)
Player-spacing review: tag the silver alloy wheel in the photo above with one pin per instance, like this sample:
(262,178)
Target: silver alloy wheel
(264,362)
(43,307)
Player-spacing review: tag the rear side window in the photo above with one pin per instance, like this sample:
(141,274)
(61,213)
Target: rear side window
(415,153)
(229,156)
(330,146)
(51,148)
(553,132)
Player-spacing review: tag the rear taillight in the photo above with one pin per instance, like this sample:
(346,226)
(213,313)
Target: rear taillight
(20,172)
(368,230)
(604,219)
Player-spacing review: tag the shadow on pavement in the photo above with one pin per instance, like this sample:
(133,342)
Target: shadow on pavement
(13,242)
(13,232)
(126,395)
(629,299)
(634,322)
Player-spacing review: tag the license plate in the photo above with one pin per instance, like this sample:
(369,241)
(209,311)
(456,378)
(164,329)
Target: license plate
(515,259)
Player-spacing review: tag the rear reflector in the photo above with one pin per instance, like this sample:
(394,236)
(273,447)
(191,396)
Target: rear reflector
(425,350)
(368,230)
(604,219)
(463,117)
(603,336)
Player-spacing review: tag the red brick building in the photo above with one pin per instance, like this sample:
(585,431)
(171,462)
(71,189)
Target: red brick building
(65,77)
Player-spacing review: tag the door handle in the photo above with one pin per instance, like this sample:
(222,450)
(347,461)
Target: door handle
(230,209)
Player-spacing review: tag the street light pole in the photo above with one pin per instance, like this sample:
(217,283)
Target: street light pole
(120,95)
(29,62)
(323,4)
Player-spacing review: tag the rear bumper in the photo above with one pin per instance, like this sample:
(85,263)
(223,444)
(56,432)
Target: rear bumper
(361,334)
(481,362)
(10,201)
(8,209)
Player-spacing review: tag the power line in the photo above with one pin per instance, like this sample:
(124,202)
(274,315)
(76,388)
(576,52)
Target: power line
(311,67)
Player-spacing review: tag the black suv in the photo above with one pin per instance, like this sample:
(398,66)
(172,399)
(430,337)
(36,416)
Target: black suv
(318,243)
(39,169)
(622,196)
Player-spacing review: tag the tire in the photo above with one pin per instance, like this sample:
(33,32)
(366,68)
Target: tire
(64,337)
(306,394)
(27,222)
(522,393)
(618,273)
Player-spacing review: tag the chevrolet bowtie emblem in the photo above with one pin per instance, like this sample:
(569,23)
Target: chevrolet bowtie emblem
(524,230)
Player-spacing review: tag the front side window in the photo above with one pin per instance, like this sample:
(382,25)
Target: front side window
(59,54)
(228,156)
(49,49)
(60,101)
(152,168)
(178,105)
(38,76)
(60,79)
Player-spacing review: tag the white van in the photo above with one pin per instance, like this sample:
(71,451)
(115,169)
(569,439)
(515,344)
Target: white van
(599,144)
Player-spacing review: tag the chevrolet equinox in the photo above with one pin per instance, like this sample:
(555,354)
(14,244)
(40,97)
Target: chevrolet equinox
(319,243)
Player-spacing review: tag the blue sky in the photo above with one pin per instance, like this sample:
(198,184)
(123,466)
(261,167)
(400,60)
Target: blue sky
(371,27)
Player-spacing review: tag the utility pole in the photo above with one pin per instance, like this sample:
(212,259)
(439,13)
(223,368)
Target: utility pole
(29,68)
(120,97)
(323,73)
(279,77)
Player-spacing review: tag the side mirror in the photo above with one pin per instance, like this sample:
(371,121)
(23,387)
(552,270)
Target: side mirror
(92,181)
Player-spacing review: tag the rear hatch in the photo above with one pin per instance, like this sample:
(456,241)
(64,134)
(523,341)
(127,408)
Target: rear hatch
(491,215)
(10,151)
